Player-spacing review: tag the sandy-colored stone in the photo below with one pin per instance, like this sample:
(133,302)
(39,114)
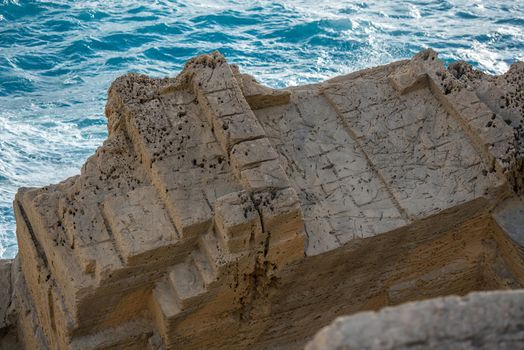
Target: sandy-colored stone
(250,153)
(5,292)
(223,214)
(281,213)
(237,221)
(237,128)
(139,223)
(264,176)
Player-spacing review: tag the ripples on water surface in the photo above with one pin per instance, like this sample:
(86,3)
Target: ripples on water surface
(57,59)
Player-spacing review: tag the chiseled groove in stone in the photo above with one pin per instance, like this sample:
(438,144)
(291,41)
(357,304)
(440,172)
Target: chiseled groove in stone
(353,135)
(204,267)
(423,75)
(110,233)
(246,140)
(177,233)
(51,293)
(487,157)
(433,146)
(480,144)
(38,248)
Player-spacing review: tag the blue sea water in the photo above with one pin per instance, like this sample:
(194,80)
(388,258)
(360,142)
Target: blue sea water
(57,59)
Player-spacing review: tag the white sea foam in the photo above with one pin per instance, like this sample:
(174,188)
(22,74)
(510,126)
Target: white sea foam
(57,59)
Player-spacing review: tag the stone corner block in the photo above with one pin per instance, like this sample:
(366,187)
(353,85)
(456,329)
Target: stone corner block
(237,221)
(281,213)
(285,252)
(266,175)
(190,211)
(249,153)
(407,79)
(236,128)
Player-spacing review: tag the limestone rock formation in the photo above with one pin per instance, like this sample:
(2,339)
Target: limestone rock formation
(485,320)
(8,333)
(222,214)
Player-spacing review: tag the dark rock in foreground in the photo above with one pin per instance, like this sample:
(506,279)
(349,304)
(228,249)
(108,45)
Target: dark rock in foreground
(487,320)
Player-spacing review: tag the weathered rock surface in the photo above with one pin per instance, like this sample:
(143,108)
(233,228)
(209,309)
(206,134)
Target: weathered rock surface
(5,292)
(485,320)
(224,214)
(8,333)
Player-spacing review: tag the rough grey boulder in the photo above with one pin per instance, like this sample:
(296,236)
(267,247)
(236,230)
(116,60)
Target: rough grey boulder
(485,320)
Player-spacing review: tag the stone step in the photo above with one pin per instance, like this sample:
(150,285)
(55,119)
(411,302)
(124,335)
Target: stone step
(132,335)
(187,283)
(214,251)
(140,225)
(163,306)
(182,193)
(204,267)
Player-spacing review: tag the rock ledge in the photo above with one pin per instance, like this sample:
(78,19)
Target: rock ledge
(224,214)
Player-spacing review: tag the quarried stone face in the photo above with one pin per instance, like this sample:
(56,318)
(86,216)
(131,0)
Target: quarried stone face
(221,213)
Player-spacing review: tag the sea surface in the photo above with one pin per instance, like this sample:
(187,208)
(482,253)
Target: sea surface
(58,58)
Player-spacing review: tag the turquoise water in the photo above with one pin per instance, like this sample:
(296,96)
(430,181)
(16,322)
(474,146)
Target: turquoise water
(57,59)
